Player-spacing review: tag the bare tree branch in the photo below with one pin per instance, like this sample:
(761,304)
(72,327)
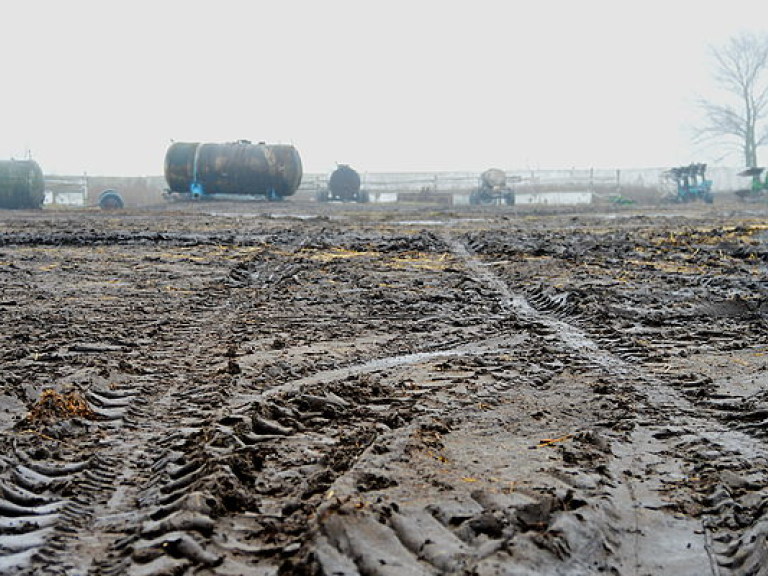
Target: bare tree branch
(723,120)
(741,68)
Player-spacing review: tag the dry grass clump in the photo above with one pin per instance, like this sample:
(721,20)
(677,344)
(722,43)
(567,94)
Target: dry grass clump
(53,405)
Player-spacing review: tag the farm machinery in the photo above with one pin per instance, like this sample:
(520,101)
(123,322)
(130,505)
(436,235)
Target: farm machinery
(111,200)
(492,189)
(758,189)
(343,186)
(690,183)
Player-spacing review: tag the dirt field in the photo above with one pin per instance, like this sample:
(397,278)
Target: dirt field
(294,388)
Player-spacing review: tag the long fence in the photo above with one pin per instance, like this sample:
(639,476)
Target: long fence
(530,186)
(597,182)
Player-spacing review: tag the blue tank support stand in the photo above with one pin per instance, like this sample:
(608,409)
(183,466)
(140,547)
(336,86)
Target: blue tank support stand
(196,189)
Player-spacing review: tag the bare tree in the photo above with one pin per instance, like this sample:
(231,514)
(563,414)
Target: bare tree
(741,70)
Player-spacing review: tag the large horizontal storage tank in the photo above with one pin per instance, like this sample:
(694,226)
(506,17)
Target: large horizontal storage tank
(237,168)
(21,184)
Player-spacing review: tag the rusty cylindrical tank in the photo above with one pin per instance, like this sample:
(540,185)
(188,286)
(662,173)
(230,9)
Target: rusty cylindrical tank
(21,184)
(239,168)
(494,179)
(344,184)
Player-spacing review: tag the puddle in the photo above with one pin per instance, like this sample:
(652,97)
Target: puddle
(421,223)
(271,216)
(490,346)
(655,539)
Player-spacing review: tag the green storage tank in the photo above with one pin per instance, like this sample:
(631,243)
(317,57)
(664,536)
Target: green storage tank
(21,184)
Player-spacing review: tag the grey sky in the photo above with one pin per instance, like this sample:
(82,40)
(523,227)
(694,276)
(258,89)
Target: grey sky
(103,86)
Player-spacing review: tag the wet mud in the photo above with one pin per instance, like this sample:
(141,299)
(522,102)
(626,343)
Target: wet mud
(384,390)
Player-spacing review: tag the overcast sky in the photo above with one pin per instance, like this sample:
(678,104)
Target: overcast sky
(104,86)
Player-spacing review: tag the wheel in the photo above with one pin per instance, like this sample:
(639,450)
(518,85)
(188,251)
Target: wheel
(110,200)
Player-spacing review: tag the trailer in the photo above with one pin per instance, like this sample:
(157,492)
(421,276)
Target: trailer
(343,186)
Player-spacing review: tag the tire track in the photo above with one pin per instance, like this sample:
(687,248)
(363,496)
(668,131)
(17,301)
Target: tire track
(254,440)
(653,447)
(635,520)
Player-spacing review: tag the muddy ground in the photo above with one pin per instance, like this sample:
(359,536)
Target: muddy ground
(384,390)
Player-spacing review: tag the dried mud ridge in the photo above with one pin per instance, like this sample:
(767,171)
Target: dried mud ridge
(186,393)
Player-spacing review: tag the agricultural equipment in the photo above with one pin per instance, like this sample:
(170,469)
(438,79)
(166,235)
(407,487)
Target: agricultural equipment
(343,186)
(759,187)
(21,184)
(492,189)
(111,200)
(690,183)
(234,169)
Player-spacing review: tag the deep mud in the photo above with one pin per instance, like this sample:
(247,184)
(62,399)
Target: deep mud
(339,390)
